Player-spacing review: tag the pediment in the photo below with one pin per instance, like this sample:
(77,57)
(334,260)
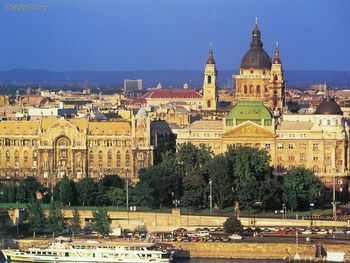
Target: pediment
(60,128)
(62,124)
(248,130)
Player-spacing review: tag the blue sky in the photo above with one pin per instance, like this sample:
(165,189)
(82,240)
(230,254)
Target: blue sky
(171,34)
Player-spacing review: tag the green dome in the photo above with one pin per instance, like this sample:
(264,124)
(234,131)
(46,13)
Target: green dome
(248,110)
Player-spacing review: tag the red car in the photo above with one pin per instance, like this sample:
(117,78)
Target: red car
(280,232)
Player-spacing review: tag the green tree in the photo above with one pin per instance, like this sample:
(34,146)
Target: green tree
(86,189)
(159,184)
(222,181)
(102,221)
(27,189)
(9,194)
(55,220)
(300,188)
(75,222)
(192,163)
(63,191)
(107,183)
(233,225)
(116,196)
(252,175)
(35,216)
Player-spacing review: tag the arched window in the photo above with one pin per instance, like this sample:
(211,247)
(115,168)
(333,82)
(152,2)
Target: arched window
(127,159)
(250,89)
(209,79)
(245,89)
(266,90)
(100,155)
(109,155)
(315,169)
(258,89)
(118,159)
(239,89)
(208,104)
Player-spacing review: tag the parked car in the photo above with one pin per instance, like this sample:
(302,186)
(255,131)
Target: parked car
(322,232)
(180,231)
(235,237)
(307,232)
(280,232)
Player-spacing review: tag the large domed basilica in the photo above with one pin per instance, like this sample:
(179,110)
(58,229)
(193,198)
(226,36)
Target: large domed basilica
(259,77)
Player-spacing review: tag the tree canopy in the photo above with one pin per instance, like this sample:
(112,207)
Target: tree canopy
(27,189)
(101,221)
(35,216)
(300,188)
(55,220)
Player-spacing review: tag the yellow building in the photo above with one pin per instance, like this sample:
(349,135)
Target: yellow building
(317,141)
(4,101)
(259,78)
(53,147)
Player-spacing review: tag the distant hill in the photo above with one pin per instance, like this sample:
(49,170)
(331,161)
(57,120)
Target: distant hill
(168,78)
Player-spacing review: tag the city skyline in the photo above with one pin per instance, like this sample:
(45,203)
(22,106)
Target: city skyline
(158,35)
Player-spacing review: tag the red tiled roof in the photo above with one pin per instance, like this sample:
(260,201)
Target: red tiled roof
(173,94)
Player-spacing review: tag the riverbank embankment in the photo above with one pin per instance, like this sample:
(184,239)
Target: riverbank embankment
(238,250)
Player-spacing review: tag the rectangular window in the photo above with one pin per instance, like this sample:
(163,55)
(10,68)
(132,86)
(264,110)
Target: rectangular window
(315,158)
(267,146)
(302,157)
(315,147)
(291,158)
(303,146)
(291,146)
(280,146)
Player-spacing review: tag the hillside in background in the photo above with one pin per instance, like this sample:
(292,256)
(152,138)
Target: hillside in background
(168,78)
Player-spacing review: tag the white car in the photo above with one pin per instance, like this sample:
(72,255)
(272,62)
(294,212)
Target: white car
(235,237)
(322,232)
(307,232)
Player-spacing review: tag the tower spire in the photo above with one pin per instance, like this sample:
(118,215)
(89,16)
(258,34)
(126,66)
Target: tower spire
(256,36)
(277,59)
(211,56)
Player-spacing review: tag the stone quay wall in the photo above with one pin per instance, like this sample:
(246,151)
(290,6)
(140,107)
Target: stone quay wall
(158,222)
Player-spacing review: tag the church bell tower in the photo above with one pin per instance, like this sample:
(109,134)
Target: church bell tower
(210,91)
(276,83)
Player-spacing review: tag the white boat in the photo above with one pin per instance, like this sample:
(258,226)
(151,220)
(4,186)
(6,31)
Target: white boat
(90,251)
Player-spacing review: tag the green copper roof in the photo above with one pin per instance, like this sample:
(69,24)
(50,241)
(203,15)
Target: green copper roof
(249,110)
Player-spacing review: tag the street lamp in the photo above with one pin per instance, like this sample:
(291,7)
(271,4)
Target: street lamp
(311,210)
(334,203)
(211,196)
(176,202)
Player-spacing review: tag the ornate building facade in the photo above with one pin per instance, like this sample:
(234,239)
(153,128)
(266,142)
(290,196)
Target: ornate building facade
(53,147)
(260,78)
(317,141)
